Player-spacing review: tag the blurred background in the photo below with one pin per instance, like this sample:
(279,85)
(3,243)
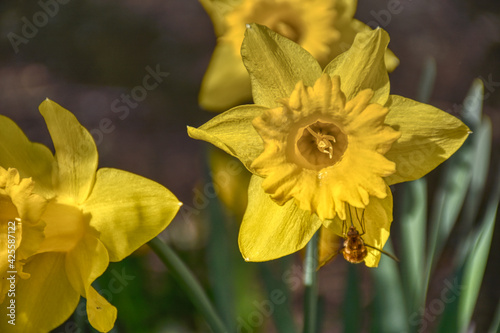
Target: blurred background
(90,53)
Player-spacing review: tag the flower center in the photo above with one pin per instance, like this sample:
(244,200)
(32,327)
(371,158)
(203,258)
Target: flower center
(66,225)
(323,142)
(318,145)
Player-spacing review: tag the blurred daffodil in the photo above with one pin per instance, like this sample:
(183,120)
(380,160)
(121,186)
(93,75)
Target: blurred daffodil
(322,142)
(324,28)
(70,219)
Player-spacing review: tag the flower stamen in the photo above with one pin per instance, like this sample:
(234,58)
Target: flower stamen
(323,142)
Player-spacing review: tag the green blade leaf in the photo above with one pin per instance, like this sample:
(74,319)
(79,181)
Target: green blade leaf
(413,229)
(389,313)
(476,262)
(351,307)
(452,191)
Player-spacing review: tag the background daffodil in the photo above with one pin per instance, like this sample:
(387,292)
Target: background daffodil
(330,140)
(324,28)
(74,220)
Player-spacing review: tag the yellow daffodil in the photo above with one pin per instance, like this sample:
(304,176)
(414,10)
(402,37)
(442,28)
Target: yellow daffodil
(70,221)
(324,146)
(324,28)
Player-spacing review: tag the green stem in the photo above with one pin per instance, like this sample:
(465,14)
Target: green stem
(189,283)
(311,284)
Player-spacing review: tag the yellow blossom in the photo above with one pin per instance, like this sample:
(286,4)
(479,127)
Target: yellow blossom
(70,221)
(324,28)
(321,143)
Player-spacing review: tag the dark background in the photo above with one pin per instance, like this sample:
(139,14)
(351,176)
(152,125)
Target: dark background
(91,52)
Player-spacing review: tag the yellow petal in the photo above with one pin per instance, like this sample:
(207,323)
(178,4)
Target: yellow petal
(231,179)
(232,131)
(270,231)
(101,314)
(391,61)
(45,300)
(30,159)
(363,67)
(217,9)
(66,226)
(429,137)
(226,82)
(375,221)
(76,152)
(86,262)
(329,245)
(275,64)
(378,219)
(128,210)
(345,11)
(347,36)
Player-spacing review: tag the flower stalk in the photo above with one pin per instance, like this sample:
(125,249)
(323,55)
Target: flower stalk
(189,283)
(311,284)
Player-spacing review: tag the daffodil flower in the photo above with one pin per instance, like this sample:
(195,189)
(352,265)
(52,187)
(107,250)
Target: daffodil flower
(325,28)
(324,146)
(71,220)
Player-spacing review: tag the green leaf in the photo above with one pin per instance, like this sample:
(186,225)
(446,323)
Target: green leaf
(427,79)
(278,290)
(480,163)
(389,313)
(413,229)
(495,324)
(476,262)
(351,307)
(452,191)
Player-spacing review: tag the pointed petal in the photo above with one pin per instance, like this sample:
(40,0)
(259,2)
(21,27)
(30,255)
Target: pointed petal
(363,66)
(226,82)
(232,131)
(102,315)
(270,231)
(45,300)
(76,152)
(429,137)
(329,245)
(347,36)
(128,210)
(275,64)
(30,159)
(376,222)
(84,263)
